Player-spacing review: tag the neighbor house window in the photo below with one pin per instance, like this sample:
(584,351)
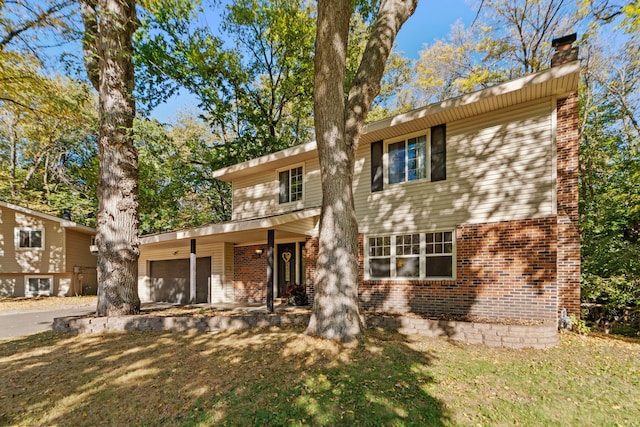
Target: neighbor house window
(29,239)
(290,185)
(38,285)
(411,256)
(421,157)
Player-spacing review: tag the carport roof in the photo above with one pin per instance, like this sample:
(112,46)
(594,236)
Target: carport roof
(242,230)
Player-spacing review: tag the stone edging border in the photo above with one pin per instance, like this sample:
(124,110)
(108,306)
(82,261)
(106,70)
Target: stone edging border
(494,335)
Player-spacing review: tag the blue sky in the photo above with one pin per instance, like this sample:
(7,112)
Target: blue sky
(431,21)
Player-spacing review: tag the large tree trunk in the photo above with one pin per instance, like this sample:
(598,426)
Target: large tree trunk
(109,26)
(338,126)
(335,307)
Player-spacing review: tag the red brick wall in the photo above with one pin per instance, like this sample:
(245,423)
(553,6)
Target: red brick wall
(504,270)
(250,274)
(311,248)
(567,144)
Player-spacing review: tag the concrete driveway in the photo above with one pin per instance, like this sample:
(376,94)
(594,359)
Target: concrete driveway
(17,323)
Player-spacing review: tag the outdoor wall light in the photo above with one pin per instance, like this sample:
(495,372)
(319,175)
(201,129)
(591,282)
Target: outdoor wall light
(259,252)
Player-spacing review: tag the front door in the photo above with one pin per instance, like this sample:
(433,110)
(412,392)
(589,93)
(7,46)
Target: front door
(286,267)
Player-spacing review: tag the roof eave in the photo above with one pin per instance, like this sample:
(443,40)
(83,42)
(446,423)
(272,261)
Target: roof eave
(287,156)
(63,222)
(230,227)
(399,124)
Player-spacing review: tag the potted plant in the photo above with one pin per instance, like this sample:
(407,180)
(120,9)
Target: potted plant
(296,295)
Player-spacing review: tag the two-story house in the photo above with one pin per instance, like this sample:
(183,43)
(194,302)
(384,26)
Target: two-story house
(41,254)
(466,208)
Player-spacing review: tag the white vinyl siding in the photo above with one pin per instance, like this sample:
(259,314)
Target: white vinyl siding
(499,167)
(257,196)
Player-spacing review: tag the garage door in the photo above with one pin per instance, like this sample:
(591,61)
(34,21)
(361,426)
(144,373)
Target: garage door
(170,280)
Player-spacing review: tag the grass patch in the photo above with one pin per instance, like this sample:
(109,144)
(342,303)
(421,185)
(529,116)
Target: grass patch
(280,377)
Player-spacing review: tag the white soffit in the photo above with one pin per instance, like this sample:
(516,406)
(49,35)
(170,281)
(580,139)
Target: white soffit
(551,82)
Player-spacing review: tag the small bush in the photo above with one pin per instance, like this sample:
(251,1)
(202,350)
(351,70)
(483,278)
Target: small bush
(617,291)
(579,326)
(296,295)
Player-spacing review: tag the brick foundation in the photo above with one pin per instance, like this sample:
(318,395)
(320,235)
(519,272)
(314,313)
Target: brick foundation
(250,274)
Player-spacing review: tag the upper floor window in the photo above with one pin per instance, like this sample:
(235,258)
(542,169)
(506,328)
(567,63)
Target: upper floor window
(29,239)
(416,158)
(408,160)
(290,185)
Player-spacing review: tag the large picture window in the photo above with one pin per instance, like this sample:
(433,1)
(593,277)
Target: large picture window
(29,239)
(411,256)
(290,185)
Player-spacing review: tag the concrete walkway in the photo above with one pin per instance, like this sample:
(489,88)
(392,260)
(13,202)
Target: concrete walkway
(27,322)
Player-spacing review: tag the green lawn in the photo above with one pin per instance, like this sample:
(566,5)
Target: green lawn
(280,377)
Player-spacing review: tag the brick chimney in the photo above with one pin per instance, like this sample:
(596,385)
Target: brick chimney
(565,51)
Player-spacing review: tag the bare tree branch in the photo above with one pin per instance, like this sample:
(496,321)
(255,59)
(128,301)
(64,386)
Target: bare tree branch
(41,19)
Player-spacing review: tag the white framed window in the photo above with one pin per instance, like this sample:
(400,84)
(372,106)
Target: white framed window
(38,285)
(407,160)
(290,184)
(439,254)
(380,256)
(411,256)
(29,238)
(421,156)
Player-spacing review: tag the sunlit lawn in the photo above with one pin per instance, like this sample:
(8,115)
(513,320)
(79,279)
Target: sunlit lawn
(280,377)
